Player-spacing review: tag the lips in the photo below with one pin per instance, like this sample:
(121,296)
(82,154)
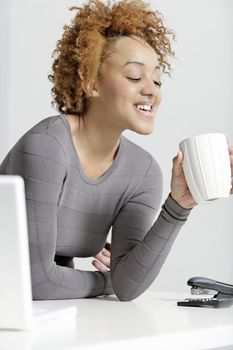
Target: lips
(145,113)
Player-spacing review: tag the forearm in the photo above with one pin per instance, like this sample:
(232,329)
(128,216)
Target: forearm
(59,282)
(134,273)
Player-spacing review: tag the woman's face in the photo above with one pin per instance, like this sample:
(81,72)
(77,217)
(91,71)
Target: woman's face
(129,89)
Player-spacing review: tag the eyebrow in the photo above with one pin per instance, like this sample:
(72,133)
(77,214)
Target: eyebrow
(140,63)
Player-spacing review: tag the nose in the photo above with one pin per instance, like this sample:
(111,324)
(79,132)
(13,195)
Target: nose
(151,90)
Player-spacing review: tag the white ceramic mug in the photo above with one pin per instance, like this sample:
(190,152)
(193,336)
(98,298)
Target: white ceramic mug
(206,166)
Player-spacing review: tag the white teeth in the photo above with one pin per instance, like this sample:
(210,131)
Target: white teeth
(144,107)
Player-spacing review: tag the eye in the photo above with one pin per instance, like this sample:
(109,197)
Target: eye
(157,83)
(134,79)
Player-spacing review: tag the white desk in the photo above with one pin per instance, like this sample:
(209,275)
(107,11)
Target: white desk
(152,321)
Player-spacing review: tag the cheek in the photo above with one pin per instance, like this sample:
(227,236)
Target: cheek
(159,97)
(119,90)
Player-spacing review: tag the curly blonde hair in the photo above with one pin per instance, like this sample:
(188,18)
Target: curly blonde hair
(80,53)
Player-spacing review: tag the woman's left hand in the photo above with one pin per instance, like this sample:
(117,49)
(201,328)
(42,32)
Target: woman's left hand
(103,258)
(179,188)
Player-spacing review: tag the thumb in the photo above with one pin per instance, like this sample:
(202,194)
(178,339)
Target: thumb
(180,157)
(177,164)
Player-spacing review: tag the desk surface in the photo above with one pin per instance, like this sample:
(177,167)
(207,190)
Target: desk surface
(151,320)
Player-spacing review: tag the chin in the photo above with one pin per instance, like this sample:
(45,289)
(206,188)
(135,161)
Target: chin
(143,129)
(142,132)
(142,126)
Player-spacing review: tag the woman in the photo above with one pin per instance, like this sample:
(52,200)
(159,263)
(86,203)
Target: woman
(83,177)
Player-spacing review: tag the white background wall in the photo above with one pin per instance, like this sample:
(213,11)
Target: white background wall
(197,99)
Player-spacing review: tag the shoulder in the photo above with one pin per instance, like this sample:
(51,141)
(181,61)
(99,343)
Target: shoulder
(43,140)
(52,126)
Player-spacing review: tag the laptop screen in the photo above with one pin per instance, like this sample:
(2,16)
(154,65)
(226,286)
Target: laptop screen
(15,284)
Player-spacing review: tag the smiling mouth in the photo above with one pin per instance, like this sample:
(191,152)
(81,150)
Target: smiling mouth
(148,113)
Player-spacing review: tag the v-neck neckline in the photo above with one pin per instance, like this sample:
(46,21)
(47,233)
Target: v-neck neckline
(81,171)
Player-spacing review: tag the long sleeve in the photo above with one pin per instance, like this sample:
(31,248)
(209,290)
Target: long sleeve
(139,248)
(40,159)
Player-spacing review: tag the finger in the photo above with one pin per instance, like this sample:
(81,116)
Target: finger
(106,252)
(178,158)
(103,259)
(99,266)
(230,149)
(177,164)
(231,162)
(231,159)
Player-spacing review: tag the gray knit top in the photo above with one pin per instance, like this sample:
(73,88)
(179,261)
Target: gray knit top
(70,215)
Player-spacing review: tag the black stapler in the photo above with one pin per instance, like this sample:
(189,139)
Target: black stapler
(203,285)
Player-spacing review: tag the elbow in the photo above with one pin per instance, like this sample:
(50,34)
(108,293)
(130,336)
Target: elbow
(44,282)
(123,287)
(37,296)
(42,290)
(122,297)
(123,292)
(40,293)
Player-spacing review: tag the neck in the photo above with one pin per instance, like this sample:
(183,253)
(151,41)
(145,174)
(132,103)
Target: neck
(95,136)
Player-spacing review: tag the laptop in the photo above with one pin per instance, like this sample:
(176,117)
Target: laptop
(17,310)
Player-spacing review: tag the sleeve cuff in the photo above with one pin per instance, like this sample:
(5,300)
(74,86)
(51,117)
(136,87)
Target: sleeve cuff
(108,283)
(175,210)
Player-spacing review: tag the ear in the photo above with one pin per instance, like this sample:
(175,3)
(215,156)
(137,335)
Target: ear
(93,89)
